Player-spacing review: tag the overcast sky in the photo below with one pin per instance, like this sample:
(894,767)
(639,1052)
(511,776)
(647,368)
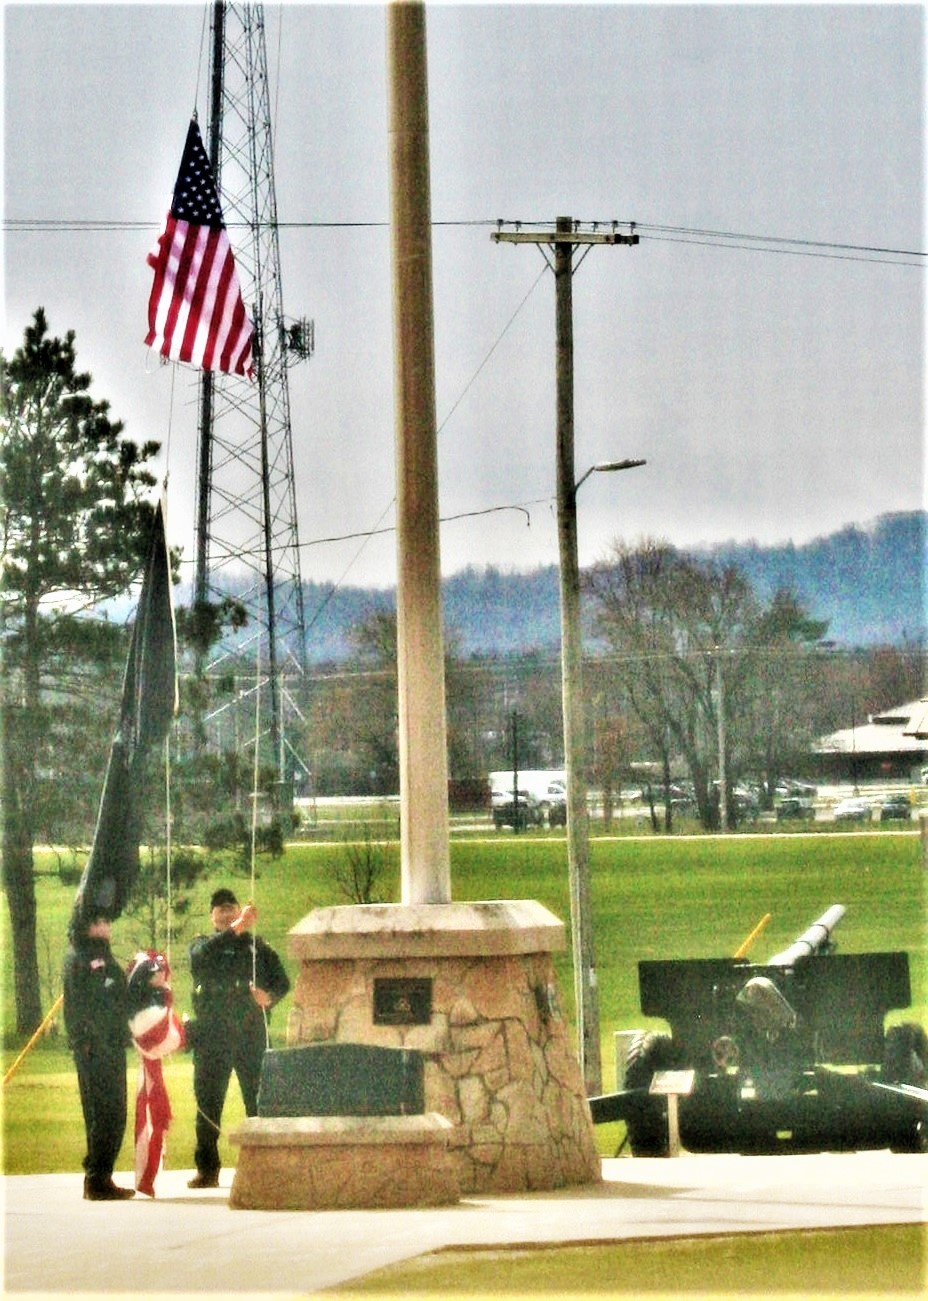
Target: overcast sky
(776,394)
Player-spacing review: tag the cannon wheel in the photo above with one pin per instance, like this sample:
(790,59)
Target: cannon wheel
(905,1061)
(647,1123)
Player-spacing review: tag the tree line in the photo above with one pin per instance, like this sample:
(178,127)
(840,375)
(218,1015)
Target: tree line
(684,648)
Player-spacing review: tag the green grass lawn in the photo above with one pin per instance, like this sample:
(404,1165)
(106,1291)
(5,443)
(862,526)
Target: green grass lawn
(44,1133)
(652,897)
(877,1262)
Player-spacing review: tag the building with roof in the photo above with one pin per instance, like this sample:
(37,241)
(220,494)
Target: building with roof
(890,745)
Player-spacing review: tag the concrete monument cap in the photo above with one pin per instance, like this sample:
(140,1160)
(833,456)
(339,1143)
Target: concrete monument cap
(494,928)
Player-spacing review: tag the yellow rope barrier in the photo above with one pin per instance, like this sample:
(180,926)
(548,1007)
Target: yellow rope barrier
(46,1022)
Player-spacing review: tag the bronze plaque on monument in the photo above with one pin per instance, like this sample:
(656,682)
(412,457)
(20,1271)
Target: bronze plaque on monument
(402,1001)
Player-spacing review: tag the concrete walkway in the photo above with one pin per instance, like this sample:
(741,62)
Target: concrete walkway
(193,1242)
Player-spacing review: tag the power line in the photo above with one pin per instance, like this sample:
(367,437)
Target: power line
(643,227)
(391,528)
(376,529)
(509,664)
(647,230)
(81,224)
(894,261)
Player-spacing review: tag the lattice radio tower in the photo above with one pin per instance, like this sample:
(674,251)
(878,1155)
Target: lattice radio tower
(246,504)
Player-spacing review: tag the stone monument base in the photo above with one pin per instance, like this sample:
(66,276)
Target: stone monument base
(314,1163)
(472,987)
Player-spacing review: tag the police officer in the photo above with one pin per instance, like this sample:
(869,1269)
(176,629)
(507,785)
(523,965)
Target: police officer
(237,978)
(96,1019)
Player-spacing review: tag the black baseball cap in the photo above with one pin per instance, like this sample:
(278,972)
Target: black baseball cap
(221,897)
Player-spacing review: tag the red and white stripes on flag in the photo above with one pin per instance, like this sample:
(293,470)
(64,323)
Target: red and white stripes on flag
(196,313)
(156,1032)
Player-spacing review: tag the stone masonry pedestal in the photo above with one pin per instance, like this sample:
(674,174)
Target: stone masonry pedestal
(472,987)
(319,1163)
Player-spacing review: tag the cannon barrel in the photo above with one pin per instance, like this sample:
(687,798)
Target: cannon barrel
(817,939)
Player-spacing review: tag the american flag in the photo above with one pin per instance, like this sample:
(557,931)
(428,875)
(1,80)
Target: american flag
(195,311)
(156,1032)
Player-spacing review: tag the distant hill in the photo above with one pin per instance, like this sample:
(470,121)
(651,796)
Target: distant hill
(488,611)
(868,581)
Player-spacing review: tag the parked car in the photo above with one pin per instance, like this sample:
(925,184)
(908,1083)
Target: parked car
(745,803)
(682,798)
(853,809)
(557,812)
(792,786)
(896,808)
(518,815)
(795,807)
(553,804)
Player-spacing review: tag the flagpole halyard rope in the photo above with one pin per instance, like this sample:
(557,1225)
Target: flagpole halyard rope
(256,773)
(169,920)
(168,862)
(203,26)
(167,446)
(209,1120)
(254,795)
(256,766)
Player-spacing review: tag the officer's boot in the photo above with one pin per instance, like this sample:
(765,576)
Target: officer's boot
(100,1189)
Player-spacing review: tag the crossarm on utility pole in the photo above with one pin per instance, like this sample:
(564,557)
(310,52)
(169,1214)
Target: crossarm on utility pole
(557,236)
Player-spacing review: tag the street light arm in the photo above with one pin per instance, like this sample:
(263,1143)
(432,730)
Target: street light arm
(606,467)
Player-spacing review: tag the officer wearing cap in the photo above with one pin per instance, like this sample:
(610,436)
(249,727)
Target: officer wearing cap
(237,978)
(96,1020)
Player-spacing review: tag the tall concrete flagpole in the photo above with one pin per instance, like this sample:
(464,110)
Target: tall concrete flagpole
(425,862)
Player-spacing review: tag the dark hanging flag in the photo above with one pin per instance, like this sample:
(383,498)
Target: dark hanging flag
(149,702)
(195,310)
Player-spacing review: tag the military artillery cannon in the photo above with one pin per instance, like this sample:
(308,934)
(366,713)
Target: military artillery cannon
(789,1055)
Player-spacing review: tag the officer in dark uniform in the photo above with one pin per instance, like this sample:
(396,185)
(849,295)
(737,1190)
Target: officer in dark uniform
(96,1018)
(237,978)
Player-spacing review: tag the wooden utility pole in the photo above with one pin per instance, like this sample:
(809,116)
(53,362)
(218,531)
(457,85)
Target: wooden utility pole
(723,755)
(564,239)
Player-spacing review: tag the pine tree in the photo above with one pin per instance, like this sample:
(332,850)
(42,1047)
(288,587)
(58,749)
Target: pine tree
(73,527)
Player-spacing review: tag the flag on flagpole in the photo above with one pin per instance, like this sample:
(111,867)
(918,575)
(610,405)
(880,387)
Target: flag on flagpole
(149,702)
(195,310)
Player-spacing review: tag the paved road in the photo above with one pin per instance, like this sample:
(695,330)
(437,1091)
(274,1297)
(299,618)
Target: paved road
(192,1242)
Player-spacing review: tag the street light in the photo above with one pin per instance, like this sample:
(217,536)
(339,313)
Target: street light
(606,467)
(578,830)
